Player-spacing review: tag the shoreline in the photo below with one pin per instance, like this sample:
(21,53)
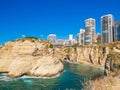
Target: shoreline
(6,78)
(85,64)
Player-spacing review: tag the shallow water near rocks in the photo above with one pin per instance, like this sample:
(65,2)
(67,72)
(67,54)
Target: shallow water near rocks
(73,77)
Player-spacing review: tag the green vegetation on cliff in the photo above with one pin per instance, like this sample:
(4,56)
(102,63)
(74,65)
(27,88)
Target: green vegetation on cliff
(51,46)
(27,38)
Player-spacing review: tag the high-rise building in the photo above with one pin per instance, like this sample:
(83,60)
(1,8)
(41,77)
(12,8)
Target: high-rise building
(70,37)
(81,37)
(89,31)
(52,38)
(107,26)
(117,31)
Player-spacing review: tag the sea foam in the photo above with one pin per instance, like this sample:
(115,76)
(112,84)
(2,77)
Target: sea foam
(4,77)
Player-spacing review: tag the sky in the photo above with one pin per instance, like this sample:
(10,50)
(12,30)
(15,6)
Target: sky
(19,18)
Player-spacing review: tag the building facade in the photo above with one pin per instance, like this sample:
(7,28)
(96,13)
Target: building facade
(98,39)
(89,31)
(81,37)
(117,31)
(52,38)
(107,26)
(60,42)
(70,37)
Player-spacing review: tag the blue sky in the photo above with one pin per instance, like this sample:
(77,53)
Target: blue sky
(42,17)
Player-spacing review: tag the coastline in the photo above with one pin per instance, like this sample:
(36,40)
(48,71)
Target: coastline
(105,83)
(6,78)
(85,64)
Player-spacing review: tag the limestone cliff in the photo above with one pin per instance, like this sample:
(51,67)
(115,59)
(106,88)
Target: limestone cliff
(35,57)
(95,55)
(112,70)
(85,54)
(28,56)
(112,63)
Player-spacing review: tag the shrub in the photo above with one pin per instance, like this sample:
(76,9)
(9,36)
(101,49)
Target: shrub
(51,46)
(32,40)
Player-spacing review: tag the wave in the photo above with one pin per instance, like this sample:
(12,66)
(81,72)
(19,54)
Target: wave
(71,62)
(26,76)
(4,77)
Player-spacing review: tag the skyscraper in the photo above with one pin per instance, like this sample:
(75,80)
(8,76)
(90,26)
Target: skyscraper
(107,26)
(117,31)
(89,31)
(81,37)
(52,38)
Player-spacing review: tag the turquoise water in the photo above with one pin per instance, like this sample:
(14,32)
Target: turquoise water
(72,78)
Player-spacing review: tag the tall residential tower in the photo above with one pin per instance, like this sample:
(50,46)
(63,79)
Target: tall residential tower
(52,38)
(107,26)
(89,31)
(117,31)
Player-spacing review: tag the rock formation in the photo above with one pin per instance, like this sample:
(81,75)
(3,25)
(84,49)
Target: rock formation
(95,55)
(112,71)
(85,54)
(112,64)
(35,57)
(28,56)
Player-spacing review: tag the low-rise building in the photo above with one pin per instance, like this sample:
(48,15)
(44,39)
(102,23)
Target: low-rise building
(81,37)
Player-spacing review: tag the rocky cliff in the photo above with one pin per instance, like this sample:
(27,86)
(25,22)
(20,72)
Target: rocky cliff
(28,56)
(112,63)
(95,55)
(35,57)
(112,71)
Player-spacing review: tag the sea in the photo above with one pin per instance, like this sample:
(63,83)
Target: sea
(73,77)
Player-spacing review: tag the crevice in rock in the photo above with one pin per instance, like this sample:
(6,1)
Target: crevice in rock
(90,58)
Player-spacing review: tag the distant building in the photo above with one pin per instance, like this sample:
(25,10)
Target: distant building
(107,26)
(89,31)
(52,38)
(81,37)
(60,42)
(117,31)
(72,42)
(70,37)
(98,38)
(66,43)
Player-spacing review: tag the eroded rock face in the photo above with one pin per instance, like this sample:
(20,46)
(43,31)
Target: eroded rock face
(30,57)
(35,57)
(88,54)
(46,66)
(112,64)
(95,55)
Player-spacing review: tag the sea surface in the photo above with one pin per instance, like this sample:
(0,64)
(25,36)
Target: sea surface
(72,78)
